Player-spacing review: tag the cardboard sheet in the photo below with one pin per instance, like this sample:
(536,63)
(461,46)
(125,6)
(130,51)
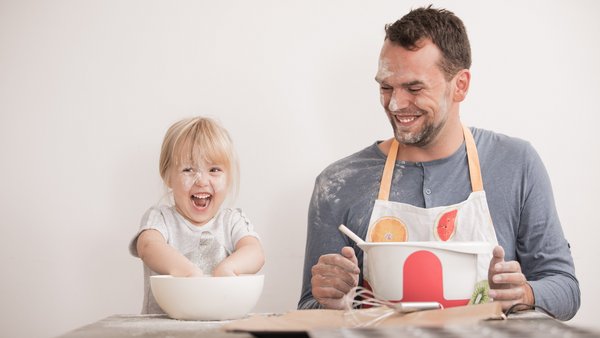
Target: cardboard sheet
(307,320)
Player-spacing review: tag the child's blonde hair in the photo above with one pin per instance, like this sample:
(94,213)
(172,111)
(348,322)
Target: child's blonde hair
(199,138)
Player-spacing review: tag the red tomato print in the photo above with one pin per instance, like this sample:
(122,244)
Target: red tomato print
(446,225)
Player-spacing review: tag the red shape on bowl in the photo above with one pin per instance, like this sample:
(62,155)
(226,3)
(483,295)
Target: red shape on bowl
(423,280)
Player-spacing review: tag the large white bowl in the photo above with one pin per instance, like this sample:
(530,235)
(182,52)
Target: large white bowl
(444,272)
(207,298)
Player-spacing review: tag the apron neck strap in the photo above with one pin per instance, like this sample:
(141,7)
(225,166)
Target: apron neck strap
(472,158)
(388,171)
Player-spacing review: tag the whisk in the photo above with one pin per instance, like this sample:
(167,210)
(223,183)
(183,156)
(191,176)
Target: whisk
(378,309)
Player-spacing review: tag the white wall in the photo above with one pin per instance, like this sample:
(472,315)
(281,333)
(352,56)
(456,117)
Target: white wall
(88,88)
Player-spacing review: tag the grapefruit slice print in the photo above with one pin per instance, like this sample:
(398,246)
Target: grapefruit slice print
(445,227)
(388,229)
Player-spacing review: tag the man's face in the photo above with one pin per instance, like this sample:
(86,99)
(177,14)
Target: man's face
(414,92)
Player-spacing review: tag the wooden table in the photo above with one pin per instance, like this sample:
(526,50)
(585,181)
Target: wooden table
(538,327)
(526,324)
(118,326)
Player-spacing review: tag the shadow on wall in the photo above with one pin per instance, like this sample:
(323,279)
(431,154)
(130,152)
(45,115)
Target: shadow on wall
(136,187)
(284,238)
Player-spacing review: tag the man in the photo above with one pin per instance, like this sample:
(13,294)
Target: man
(423,77)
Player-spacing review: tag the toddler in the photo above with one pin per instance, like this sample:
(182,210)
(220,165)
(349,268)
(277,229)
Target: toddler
(193,236)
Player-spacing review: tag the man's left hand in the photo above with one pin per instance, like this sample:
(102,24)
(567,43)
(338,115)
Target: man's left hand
(508,284)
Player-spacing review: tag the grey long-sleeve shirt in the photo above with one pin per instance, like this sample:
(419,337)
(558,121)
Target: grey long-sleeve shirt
(519,196)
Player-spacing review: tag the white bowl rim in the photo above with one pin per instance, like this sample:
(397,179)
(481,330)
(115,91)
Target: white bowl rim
(248,276)
(466,247)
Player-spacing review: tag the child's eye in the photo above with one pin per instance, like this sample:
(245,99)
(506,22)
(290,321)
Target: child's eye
(188,170)
(215,170)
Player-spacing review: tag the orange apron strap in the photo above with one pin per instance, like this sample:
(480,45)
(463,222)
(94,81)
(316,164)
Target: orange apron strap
(473,158)
(388,171)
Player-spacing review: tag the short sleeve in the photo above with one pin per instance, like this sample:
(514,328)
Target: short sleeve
(152,219)
(240,226)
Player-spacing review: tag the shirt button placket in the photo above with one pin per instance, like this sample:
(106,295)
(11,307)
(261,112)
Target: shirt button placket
(426,191)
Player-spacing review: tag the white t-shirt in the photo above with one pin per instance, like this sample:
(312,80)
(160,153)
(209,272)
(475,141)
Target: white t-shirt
(206,245)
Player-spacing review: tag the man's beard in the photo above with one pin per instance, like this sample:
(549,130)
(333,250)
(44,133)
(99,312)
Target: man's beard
(422,137)
(430,130)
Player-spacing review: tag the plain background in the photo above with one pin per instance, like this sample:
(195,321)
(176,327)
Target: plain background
(88,88)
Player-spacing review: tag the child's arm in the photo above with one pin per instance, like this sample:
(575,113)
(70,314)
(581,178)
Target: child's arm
(163,258)
(247,258)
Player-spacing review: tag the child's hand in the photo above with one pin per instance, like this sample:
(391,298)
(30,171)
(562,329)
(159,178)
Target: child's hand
(224,269)
(195,273)
(162,258)
(247,258)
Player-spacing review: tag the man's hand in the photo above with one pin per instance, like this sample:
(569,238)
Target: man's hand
(333,277)
(508,285)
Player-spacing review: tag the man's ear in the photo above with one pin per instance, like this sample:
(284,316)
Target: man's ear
(462,78)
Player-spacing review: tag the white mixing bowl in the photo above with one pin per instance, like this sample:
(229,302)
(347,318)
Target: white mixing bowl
(207,298)
(445,272)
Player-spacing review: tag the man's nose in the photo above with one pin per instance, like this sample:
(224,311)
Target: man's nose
(399,100)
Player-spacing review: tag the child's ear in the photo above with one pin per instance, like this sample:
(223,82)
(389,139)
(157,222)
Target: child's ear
(168,179)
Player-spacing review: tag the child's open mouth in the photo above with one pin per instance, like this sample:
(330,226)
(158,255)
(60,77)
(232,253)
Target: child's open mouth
(201,200)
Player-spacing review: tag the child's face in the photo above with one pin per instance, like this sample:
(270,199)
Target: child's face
(198,190)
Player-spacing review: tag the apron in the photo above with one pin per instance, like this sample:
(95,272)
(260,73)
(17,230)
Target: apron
(467,221)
